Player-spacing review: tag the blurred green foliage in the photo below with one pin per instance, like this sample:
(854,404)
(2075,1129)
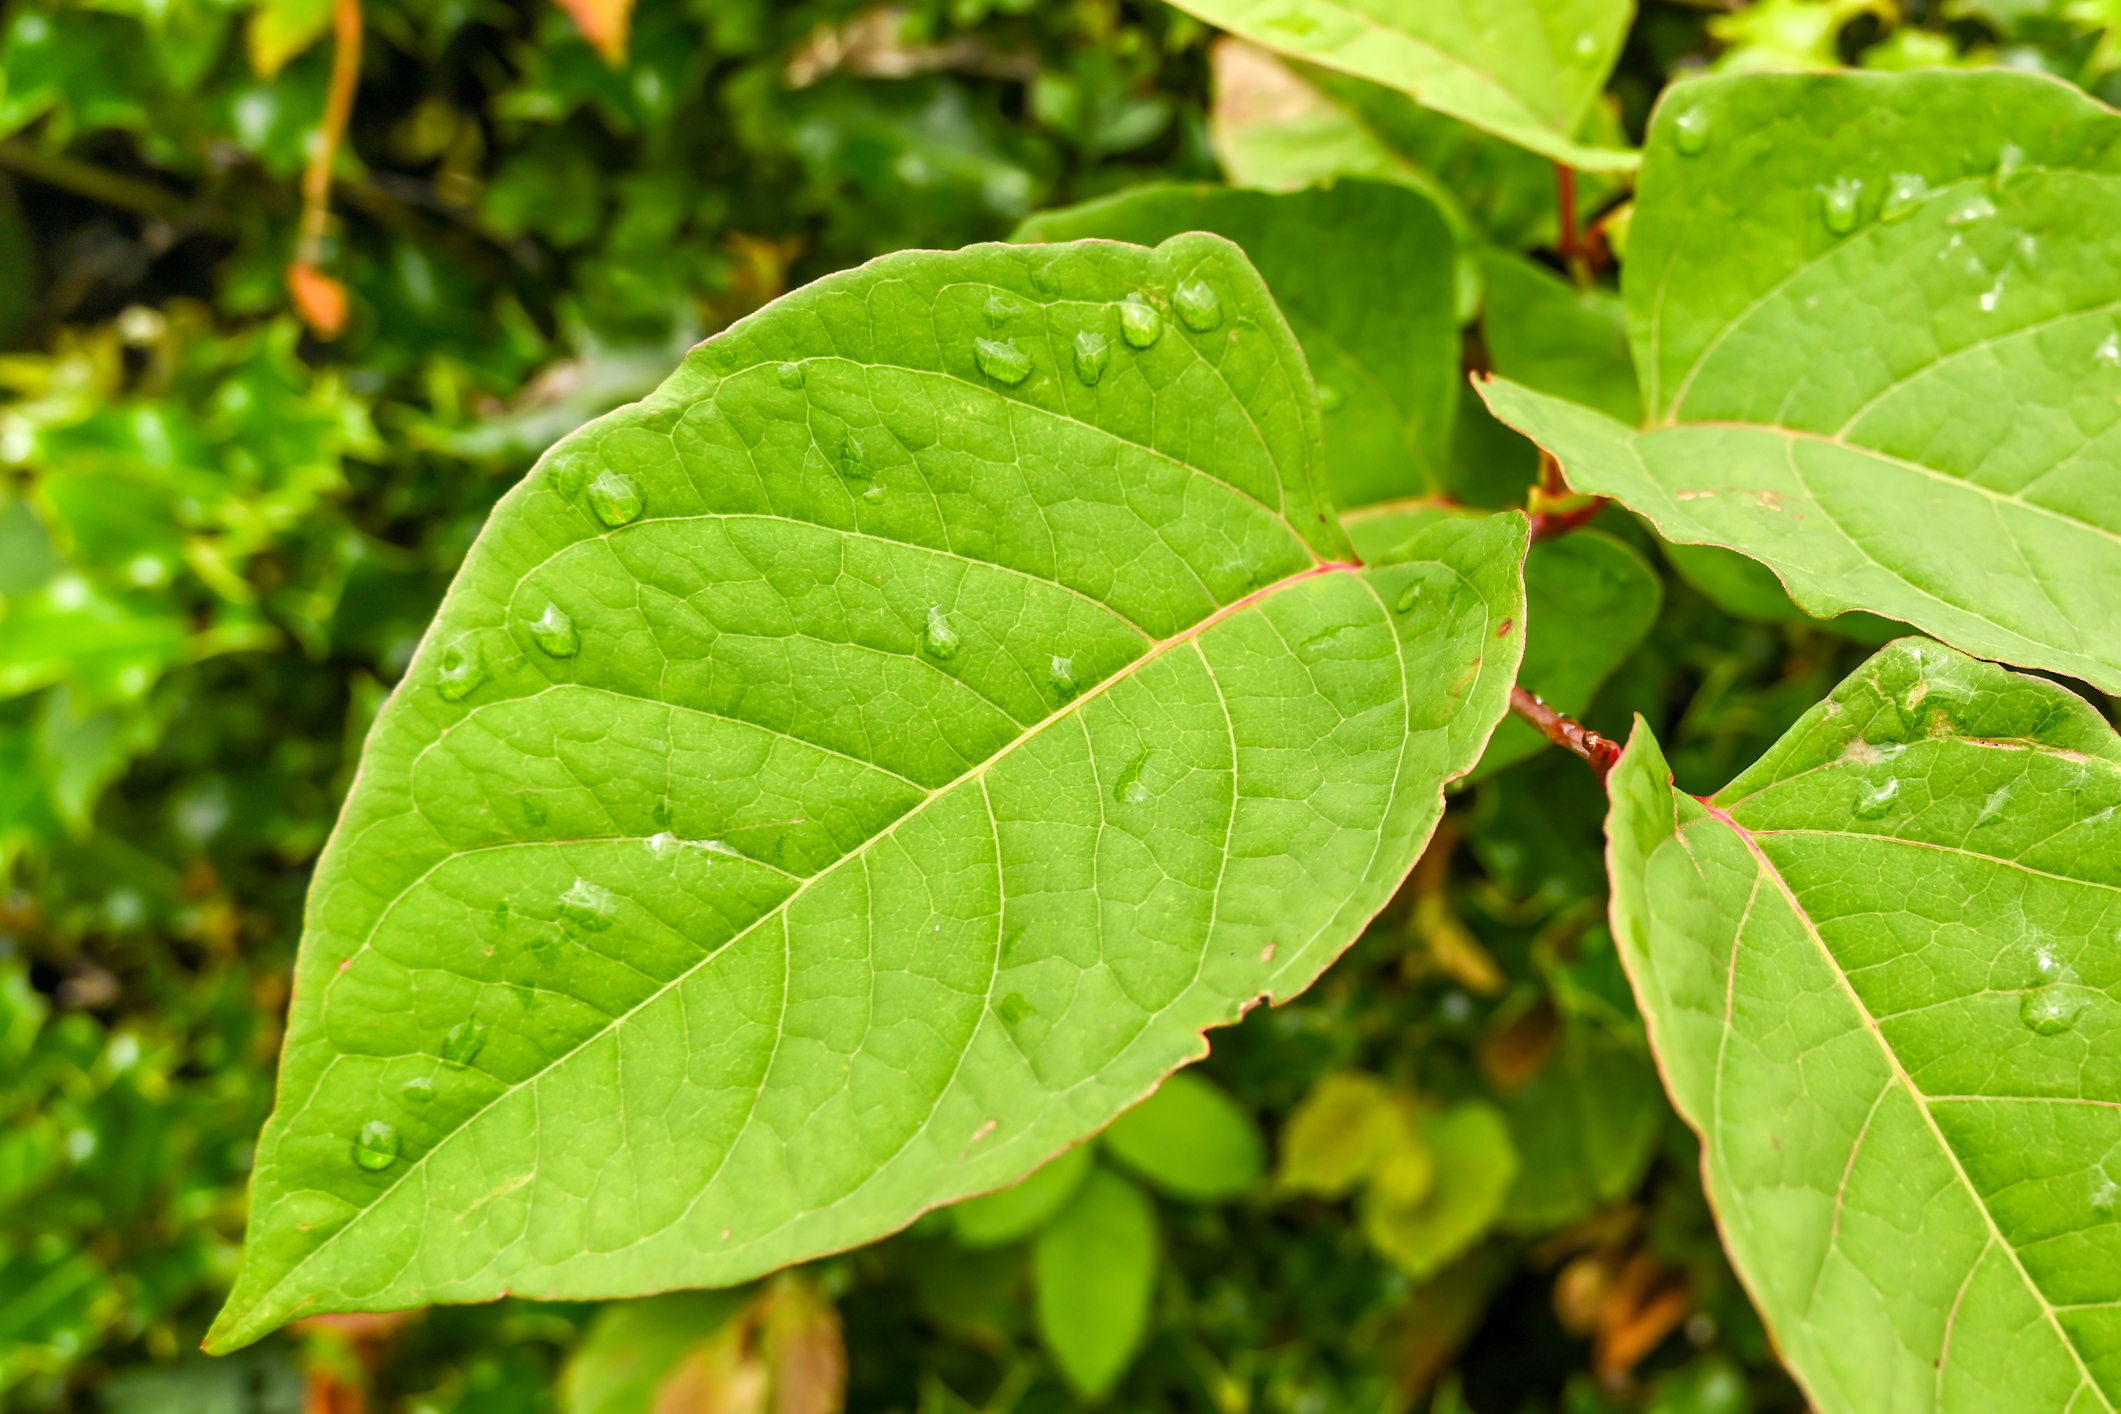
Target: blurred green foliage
(220,539)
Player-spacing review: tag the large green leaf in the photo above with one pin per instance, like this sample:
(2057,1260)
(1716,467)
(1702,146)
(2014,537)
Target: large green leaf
(1874,317)
(1525,70)
(1880,972)
(1363,272)
(840,782)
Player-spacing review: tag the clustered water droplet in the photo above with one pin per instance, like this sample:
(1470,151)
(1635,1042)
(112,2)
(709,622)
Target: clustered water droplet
(1139,323)
(1840,204)
(1002,360)
(1198,305)
(376,1147)
(463,669)
(2053,1001)
(938,639)
(554,632)
(588,906)
(614,499)
(1904,191)
(1092,352)
(790,374)
(1690,132)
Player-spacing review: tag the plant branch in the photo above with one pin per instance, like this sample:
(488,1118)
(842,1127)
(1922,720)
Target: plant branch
(1549,517)
(321,299)
(109,188)
(1598,752)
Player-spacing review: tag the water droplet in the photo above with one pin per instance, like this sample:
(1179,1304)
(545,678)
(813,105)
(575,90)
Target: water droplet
(2109,351)
(1878,801)
(1992,296)
(1690,132)
(463,669)
(939,640)
(1061,674)
(854,465)
(1330,398)
(2105,1194)
(664,844)
(463,1042)
(554,632)
(1976,207)
(2050,1011)
(1992,808)
(376,1149)
(420,1090)
(2008,161)
(1044,280)
(588,906)
(1198,305)
(1092,352)
(1002,361)
(1130,789)
(790,374)
(1904,191)
(1586,45)
(873,494)
(1407,597)
(1839,204)
(997,311)
(1139,323)
(615,499)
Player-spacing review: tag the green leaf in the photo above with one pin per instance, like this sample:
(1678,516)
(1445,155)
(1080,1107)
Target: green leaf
(1874,319)
(1475,1165)
(1095,1269)
(1584,1128)
(1362,271)
(1548,334)
(1747,589)
(1879,971)
(281,29)
(1589,599)
(1527,71)
(1334,1138)
(1022,1208)
(1191,1140)
(853,775)
(633,1345)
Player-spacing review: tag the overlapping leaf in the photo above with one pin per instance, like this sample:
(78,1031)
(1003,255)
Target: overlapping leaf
(845,779)
(1525,70)
(1362,271)
(1874,318)
(1880,970)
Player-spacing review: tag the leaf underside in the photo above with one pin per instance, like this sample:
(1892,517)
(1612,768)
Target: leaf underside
(940,738)
(1527,71)
(1881,976)
(1875,318)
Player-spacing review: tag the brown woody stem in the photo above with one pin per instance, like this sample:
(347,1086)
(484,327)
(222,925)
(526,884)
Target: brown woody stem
(1600,753)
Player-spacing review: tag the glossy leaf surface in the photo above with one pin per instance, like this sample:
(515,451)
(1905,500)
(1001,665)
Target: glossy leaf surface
(849,777)
(1525,70)
(1363,272)
(1880,971)
(1874,320)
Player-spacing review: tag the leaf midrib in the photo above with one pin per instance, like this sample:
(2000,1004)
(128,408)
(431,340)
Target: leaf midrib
(1914,1093)
(978,772)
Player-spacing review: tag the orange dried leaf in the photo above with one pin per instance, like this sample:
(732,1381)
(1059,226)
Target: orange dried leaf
(319,299)
(603,23)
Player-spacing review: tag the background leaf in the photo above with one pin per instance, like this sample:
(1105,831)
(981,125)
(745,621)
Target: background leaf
(634,1345)
(1022,1208)
(1095,1269)
(1879,972)
(1880,355)
(1474,1168)
(1584,1129)
(885,653)
(1362,270)
(1191,1140)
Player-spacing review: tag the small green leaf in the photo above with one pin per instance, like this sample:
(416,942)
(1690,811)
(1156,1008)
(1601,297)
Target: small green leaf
(1333,1139)
(1527,71)
(1191,1140)
(632,1345)
(1547,334)
(1748,589)
(1880,971)
(1475,1165)
(1095,1269)
(1874,319)
(933,758)
(1584,1128)
(1020,1209)
(1362,271)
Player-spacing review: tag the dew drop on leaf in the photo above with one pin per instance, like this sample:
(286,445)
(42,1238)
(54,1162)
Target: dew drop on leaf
(615,499)
(1044,280)
(2008,161)
(1904,191)
(1130,789)
(1002,361)
(1875,802)
(1690,132)
(997,311)
(1061,674)
(1586,45)
(1139,323)
(790,374)
(554,632)
(1330,398)
(588,906)
(1198,305)
(2109,351)
(1838,204)
(376,1148)
(2050,1011)
(463,1042)
(463,669)
(938,639)
(420,1090)
(1992,808)
(1092,353)
(1407,597)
